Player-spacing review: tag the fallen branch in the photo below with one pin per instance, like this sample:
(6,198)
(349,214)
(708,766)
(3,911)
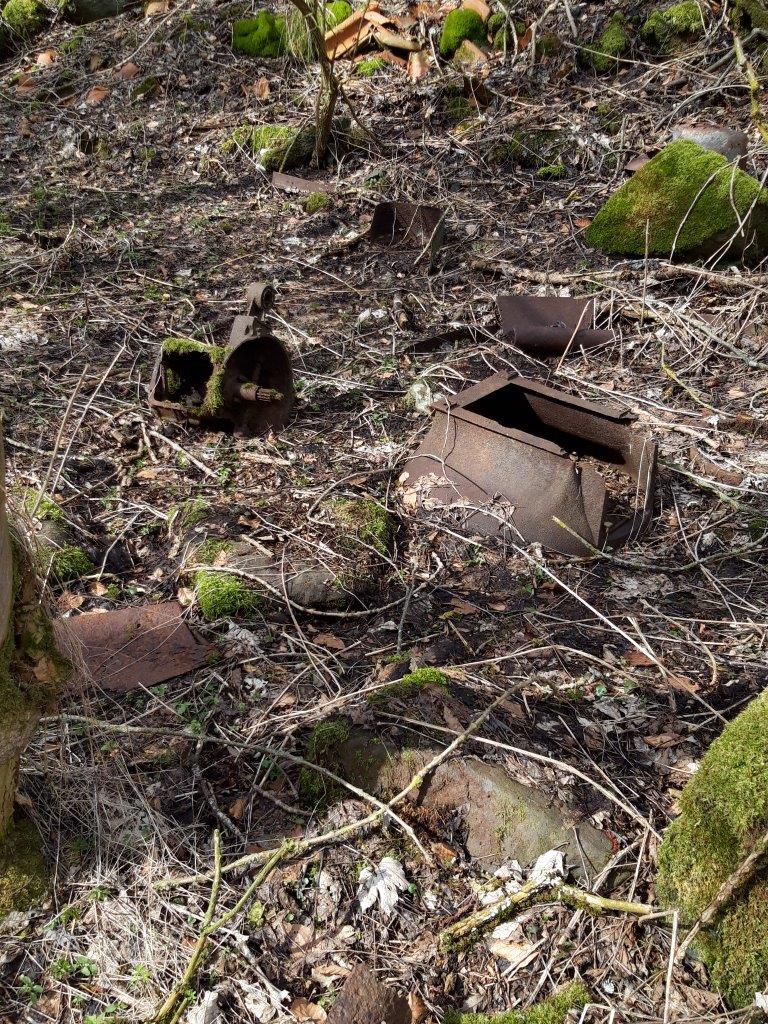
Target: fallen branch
(470,928)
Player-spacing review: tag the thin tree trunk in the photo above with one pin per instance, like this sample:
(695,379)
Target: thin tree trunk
(325,105)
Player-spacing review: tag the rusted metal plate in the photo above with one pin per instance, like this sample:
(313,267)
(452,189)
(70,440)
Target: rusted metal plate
(132,647)
(364,1000)
(349,36)
(6,555)
(290,183)
(408,223)
(547,326)
(254,382)
(508,455)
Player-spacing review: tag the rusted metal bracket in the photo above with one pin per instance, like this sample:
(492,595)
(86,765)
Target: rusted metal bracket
(246,388)
(549,325)
(510,454)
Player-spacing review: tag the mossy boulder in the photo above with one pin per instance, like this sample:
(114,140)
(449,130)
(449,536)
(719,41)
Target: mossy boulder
(748,14)
(262,36)
(694,203)
(276,147)
(673,28)
(614,41)
(24,18)
(570,998)
(461,24)
(723,809)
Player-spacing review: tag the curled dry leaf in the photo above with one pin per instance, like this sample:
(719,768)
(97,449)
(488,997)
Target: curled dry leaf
(418,65)
(303,1010)
(96,95)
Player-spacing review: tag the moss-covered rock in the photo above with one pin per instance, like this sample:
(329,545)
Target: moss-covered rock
(412,683)
(24,876)
(262,36)
(555,1010)
(461,24)
(749,14)
(614,41)
(675,27)
(24,18)
(723,808)
(276,147)
(336,12)
(691,199)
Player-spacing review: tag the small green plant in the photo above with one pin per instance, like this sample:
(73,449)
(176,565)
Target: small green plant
(369,67)
(70,563)
(29,990)
(140,976)
(316,201)
(257,914)
(221,595)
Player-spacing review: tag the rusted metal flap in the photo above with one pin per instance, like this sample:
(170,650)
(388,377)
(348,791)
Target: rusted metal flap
(6,555)
(509,453)
(410,222)
(364,1000)
(348,36)
(546,326)
(144,645)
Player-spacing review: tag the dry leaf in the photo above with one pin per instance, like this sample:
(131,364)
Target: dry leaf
(303,1010)
(638,658)
(684,683)
(333,643)
(46,57)
(95,62)
(128,71)
(664,739)
(237,809)
(418,65)
(26,84)
(382,885)
(262,89)
(97,95)
(156,7)
(515,952)
(418,1008)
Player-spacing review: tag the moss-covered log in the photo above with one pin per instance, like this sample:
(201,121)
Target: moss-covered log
(31,667)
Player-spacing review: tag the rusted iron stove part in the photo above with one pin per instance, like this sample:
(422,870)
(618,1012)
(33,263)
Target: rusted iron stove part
(510,454)
(252,384)
(547,326)
(413,223)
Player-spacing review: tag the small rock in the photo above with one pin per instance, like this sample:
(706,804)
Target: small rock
(731,143)
(364,1000)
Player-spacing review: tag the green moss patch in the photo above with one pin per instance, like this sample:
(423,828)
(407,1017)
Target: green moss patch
(336,12)
(186,363)
(723,808)
(689,198)
(369,67)
(70,563)
(614,41)
(459,25)
(276,147)
(555,1010)
(322,748)
(24,18)
(221,595)
(365,520)
(262,36)
(749,14)
(676,26)
(411,684)
(24,876)
(533,148)
(316,201)
(190,513)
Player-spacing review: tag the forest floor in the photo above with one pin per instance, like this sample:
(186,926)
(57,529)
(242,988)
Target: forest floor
(123,222)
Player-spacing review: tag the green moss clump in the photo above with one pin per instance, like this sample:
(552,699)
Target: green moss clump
(263,36)
(365,520)
(24,18)
(191,513)
(459,25)
(549,1011)
(277,147)
(321,749)
(45,510)
(369,67)
(414,682)
(176,352)
(336,12)
(24,877)
(221,595)
(672,28)
(316,201)
(210,550)
(723,808)
(551,171)
(70,563)
(689,197)
(614,41)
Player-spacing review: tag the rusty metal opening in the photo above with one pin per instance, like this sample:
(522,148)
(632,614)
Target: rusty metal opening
(510,453)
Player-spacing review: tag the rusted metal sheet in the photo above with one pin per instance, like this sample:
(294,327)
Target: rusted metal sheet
(408,223)
(350,35)
(254,383)
(547,326)
(509,454)
(131,647)
(6,555)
